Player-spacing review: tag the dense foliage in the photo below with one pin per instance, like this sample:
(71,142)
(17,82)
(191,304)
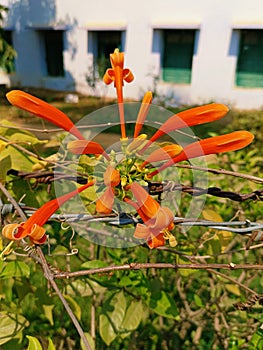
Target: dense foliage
(144,308)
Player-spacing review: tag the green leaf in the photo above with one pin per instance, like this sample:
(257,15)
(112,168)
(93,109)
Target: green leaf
(51,346)
(107,332)
(74,306)
(198,301)
(257,340)
(94,264)
(48,311)
(90,340)
(15,269)
(119,304)
(112,316)
(10,326)
(233,288)
(133,316)
(161,303)
(5,165)
(184,272)
(33,343)
(20,161)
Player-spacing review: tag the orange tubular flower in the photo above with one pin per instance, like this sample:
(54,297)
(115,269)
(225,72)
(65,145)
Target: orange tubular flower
(86,147)
(213,145)
(190,117)
(43,110)
(118,75)
(157,220)
(104,203)
(33,227)
(147,100)
(163,153)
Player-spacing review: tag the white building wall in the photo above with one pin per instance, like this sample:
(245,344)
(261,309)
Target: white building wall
(214,61)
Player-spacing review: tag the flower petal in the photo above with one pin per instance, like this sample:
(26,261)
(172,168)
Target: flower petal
(163,219)
(111,176)
(156,241)
(43,110)
(86,147)
(190,117)
(117,75)
(104,203)
(147,100)
(10,231)
(213,145)
(142,231)
(147,204)
(163,153)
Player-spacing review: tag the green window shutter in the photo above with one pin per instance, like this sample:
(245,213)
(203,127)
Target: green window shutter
(249,71)
(178,54)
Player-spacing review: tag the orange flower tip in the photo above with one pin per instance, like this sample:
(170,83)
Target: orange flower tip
(147,97)
(86,147)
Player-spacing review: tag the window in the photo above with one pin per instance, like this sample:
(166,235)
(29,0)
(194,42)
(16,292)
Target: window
(54,46)
(249,72)
(101,44)
(178,50)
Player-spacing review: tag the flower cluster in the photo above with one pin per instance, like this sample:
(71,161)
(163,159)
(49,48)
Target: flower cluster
(142,158)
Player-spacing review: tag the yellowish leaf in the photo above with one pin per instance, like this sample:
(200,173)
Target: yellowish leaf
(211,215)
(233,288)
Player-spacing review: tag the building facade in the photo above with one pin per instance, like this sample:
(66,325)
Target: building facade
(188,52)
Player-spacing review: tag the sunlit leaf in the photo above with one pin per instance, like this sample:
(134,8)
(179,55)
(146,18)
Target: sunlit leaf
(94,264)
(90,340)
(211,215)
(257,340)
(161,303)
(15,269)
(48,311)
(74,306)
(233,288)
(51,346)
(133,316)
(19,160)
(225,237)
(10,326)
(183,260)
(119,304)
(5,165)
(198,301)
(34,343)
(107,332)
(112,317)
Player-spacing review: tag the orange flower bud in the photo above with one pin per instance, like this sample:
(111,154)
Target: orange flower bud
(86,147)
(190,117)
(33,226)
(43,110)
(147,100)
(213,145)
(163,153)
